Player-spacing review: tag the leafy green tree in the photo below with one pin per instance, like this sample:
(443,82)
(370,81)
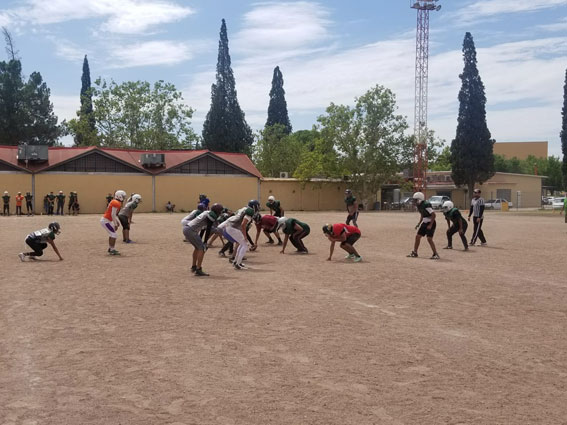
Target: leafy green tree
(549,167)
(442,161)
(225,128)
(369,140)
(26,113)
(276,151)
(563,133)
(472,159)
(85,128)
(277,109)
(134,114)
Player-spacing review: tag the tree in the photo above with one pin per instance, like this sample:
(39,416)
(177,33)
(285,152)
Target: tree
(369,140)
(277,109)
(563,133)
(472,159)
(10,47)
(549,167)
(85,128)
(442,161)
(225,128)
(136,115)
(276,151)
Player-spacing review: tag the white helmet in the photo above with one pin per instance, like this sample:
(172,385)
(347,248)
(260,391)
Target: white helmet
(419,196)
(137,198)
(120,195)
(447,206)
(271,198)
(281,221)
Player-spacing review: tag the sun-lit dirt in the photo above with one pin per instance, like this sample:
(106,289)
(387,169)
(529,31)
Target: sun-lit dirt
(478,337)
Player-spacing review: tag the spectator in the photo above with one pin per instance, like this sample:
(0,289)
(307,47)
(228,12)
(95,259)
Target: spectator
(6,200)
(19,199)
(169,207)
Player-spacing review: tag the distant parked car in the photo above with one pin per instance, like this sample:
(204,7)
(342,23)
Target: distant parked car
(547,200)
(437,201)
(496,204)
(557,203)
(403,204)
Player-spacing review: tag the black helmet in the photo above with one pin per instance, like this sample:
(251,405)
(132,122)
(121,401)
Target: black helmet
(328,229)
(55,227)
(254,204)
(201,207)
(202,197)
(217,208)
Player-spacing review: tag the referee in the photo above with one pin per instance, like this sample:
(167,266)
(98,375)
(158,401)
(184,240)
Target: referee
(477,211)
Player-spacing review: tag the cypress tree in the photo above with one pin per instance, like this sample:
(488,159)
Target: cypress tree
(472,158)
(563,133)
(277,109)
(87,95)
(225,128)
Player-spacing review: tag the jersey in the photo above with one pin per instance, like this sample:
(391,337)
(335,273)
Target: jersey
(19,199)
(454,215)
(267,222)
(60,199)
(115,203)
(276,207)
(6,199)
(43,235)
(128,208)
(202,221)
(185,221)
(238,217)
(340,228)
(289,227)
(426,210)
(28,197)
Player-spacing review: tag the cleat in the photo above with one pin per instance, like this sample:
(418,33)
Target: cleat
(237,266)
(270,241)
(448,247)
(231,260)
(435,257)
(357,259)
(466,248)
(113,252)
(483,244)
(280,243)
(22,256)
(412,254)
(129,241)
(222,254)
(243,266)
(200,272)
(193,269)
(349,256)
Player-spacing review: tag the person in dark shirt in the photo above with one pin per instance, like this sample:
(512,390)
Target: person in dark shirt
(50,203)
(456,223)
(274,205)
(60,203)
(38,241)
(352,208)
(295,231)
(109,198)
(426,225)
(29,203)
(6,201)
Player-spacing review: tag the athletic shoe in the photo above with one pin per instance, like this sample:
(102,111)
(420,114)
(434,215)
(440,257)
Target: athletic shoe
(113,252)
(243,266)
(22,256)
(270,241)
(466,248)
(237,266)
(129,241)
(222,254)
(349,256)
(193,269)
(448,247)
(483,244)
(200,272)
(435,257)
(231,260)
(412,254)
(280,243)
(357,259)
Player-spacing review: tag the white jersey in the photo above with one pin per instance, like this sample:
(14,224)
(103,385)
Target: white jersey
(185,221)
(236,220)
(201,221)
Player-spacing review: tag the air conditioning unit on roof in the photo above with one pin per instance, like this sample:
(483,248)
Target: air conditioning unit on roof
(284,175)
(153,160)
(33,153)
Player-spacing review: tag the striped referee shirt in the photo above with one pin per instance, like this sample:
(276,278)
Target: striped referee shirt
(477,207)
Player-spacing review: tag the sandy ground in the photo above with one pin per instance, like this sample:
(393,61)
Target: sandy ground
(475,338)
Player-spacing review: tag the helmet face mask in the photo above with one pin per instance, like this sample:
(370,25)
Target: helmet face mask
(137,198)
(201,207)
(327,229)
(271,198)
(254,204)
(54,227)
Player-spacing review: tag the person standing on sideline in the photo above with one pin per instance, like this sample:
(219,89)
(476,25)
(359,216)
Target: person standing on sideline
(565,208)
(38,241)
(191,230)
(19,199)
(71,205)
(125,216)
(455,223)
(60,203)
(477,212)
(6,201)
(346,235)
(426,225)
(110,221)
(275,208)
(29,204)
(50,203)
(352,208)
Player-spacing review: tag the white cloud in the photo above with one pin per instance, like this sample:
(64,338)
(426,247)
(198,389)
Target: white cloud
(67,50)
(151,53)
(487,8)
(4,19)
(124,16)
(560,26)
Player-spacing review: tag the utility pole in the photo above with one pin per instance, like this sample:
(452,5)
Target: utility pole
(423,8)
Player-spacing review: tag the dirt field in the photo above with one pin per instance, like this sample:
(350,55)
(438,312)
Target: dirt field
(475,338)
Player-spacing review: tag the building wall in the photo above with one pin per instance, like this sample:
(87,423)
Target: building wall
(15,182)
(521,150)
(92,189)
(183,190)
(311,196)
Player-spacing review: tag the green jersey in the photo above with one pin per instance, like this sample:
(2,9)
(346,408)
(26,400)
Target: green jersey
(60,199)
(276,207)
(6,199)
(290,223)
(426,211)
(454,215)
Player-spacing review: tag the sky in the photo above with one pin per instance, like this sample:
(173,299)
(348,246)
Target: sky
(328,51)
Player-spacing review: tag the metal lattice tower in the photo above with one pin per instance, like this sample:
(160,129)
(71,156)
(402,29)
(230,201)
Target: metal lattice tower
(421,75)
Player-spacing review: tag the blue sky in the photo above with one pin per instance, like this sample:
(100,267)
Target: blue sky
(328,51)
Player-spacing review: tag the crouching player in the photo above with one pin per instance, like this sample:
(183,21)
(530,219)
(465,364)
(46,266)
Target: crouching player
(125,216)
(38,241)
(269,224)
(295,230)
(110,221)
(191,232)
(455,223)
(346,235)
(234,230)
(426,225)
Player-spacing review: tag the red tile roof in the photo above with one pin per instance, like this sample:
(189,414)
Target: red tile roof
(173,158)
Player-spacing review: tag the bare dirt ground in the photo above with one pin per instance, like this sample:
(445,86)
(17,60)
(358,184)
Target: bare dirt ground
(475,338)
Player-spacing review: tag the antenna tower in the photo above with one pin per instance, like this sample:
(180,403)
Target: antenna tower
(423,8)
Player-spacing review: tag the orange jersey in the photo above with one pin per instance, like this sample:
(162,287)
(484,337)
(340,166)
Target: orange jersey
(115,203)
(19,200)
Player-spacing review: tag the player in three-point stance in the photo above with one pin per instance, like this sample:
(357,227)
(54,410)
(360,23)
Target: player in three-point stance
(38,241)
(455,223)
(110,221)
(426,225)
(269,224)
(352,208)
(295,231)
(191,230)
(346,235)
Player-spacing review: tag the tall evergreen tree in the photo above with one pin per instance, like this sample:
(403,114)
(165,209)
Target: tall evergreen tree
(277,110)
(472,160)
(225,128)
(563,133)
(87,95)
